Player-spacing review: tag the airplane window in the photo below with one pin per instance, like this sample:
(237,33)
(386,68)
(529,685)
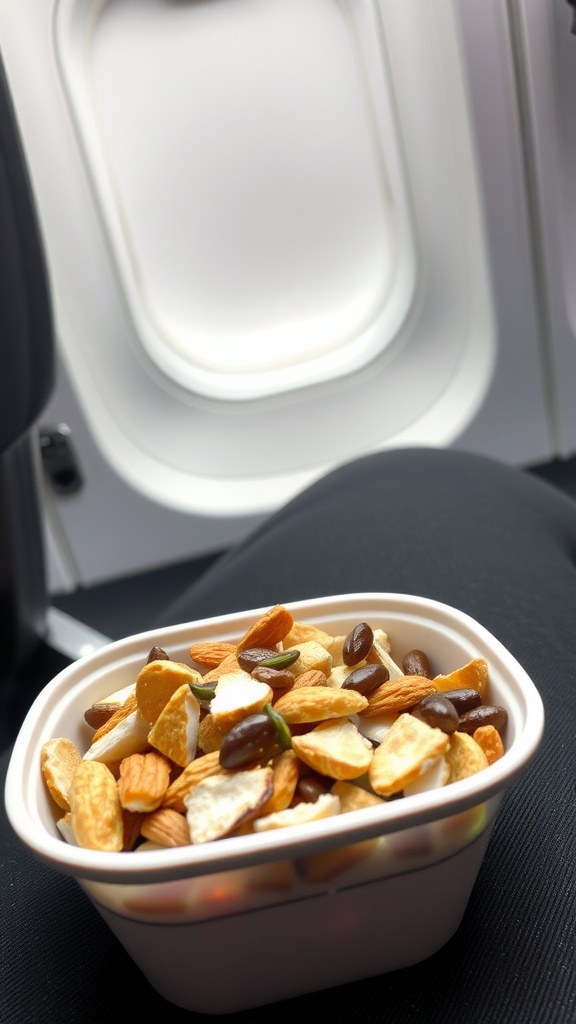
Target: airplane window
(247,163)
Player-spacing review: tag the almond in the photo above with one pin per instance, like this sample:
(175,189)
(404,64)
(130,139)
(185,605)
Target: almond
(131,822)
(269,630)
(211,654)
(96,814)
(144,779)
(166,827)
(398,695)
(313,677)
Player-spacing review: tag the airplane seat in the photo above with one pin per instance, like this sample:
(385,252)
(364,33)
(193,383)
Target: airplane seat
(27,376)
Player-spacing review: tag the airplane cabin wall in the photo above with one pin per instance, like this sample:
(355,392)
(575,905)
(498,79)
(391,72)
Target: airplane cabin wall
(483,356)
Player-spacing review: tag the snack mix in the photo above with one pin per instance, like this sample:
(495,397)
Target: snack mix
(287,725)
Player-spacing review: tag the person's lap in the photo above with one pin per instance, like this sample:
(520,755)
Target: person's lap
(462,529)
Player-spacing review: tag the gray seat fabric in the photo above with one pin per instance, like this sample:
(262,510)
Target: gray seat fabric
(26,378)
(498,544)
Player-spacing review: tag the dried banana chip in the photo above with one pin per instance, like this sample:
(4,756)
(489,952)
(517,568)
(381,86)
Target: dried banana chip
(465,757)
(175,732)
(406,747)
(221,803)
(335,748)
(325,806)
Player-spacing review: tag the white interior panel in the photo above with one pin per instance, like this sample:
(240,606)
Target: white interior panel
(246,164)
(280,234)
(547,49)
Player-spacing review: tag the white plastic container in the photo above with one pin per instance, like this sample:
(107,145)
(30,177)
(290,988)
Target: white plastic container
(301,908)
